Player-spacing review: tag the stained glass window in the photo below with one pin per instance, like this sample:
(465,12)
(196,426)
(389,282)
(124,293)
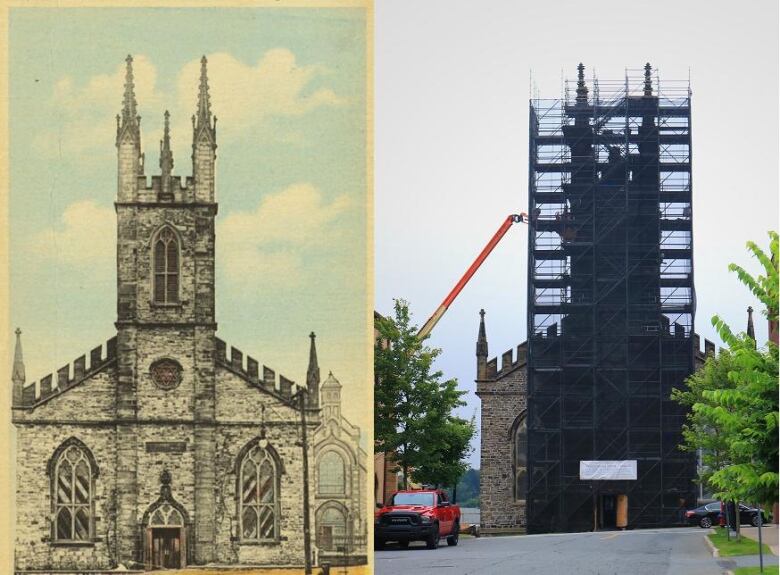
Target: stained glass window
(72,496)
(166,267)
(258,498)
(166,516)
(331,474)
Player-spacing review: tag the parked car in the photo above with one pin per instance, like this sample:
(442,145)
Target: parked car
(419,515)
(708,515)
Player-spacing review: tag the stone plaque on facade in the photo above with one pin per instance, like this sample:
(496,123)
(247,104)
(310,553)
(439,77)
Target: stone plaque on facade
(166,446)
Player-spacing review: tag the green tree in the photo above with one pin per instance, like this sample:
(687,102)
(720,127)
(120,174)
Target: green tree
(701,431)
(468,489)
(413,405)
(447,446)
(746,411)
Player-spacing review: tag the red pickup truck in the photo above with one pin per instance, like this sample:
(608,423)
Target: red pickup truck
(419,515)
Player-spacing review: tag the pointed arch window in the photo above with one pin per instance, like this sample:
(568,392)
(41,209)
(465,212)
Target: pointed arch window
(520,457)
(259,495)
(73,480)
(166,267)
(331,474)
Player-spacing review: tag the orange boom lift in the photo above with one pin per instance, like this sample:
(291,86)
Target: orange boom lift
(426,329)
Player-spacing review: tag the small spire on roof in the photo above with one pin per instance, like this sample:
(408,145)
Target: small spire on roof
(313,372)
(582,89)
(648,80)
(750,329)
(166,156)
(17,373)
(482,344)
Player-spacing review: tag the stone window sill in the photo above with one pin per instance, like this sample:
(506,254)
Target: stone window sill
(68,544)
(269,543)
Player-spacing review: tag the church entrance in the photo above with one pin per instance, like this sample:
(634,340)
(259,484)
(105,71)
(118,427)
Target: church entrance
(166,538)
(613,511)
(166,548)
(608,511)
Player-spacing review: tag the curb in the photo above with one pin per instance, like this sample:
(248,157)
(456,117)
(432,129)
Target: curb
(713,549)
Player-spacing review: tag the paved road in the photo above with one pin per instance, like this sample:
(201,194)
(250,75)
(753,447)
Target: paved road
(646,552)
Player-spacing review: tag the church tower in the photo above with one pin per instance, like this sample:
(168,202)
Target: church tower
(331,398)
(165,313)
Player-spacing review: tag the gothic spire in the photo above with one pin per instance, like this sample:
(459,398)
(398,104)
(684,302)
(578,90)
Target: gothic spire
(201,120)
(582,89)
(648,80)
(204,100)
(313,373)
(166,156)
(17,374)
(129,120)
(129,104)
(482,349)
(750,329)
(482,344)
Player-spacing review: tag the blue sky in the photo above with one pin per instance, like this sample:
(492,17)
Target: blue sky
(289,89)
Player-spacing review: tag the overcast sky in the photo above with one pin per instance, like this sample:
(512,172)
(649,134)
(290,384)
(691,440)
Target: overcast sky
(452,89)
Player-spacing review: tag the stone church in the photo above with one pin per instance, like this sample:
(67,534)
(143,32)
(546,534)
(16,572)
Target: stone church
(160,448)
(504,434)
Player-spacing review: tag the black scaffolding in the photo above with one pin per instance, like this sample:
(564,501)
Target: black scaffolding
(610,299)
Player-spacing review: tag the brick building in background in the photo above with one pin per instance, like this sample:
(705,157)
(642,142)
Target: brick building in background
(162,449)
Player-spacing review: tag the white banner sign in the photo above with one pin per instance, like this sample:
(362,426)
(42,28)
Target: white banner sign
(605,470)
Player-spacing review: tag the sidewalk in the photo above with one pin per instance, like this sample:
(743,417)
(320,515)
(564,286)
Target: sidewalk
(769,536)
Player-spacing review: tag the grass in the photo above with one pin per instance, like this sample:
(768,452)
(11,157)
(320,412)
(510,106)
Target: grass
(768,570)
(733,547)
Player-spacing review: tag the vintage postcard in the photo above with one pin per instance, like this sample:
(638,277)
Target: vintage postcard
(188,203)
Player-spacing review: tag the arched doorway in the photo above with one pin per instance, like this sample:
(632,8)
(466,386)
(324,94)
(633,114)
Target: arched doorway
(332,528)
(165,530)
(166,538)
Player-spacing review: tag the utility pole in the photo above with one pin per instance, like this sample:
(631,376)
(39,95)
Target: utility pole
(301,395)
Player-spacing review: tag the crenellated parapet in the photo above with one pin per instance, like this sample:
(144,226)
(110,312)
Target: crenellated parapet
(153,189)
(709,348)
(248,369)
(67,376)
(509,361)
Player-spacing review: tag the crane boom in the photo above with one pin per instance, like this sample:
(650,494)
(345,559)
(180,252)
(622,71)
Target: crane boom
(434,319)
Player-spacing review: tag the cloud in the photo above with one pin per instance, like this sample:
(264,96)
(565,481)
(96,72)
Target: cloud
(273,242)
(86,237)
(243,97)
(84,115)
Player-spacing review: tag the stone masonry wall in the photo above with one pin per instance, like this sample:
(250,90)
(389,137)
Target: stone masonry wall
(289,549)
(156,344)
(503,398)
(36,444)
(151,464)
